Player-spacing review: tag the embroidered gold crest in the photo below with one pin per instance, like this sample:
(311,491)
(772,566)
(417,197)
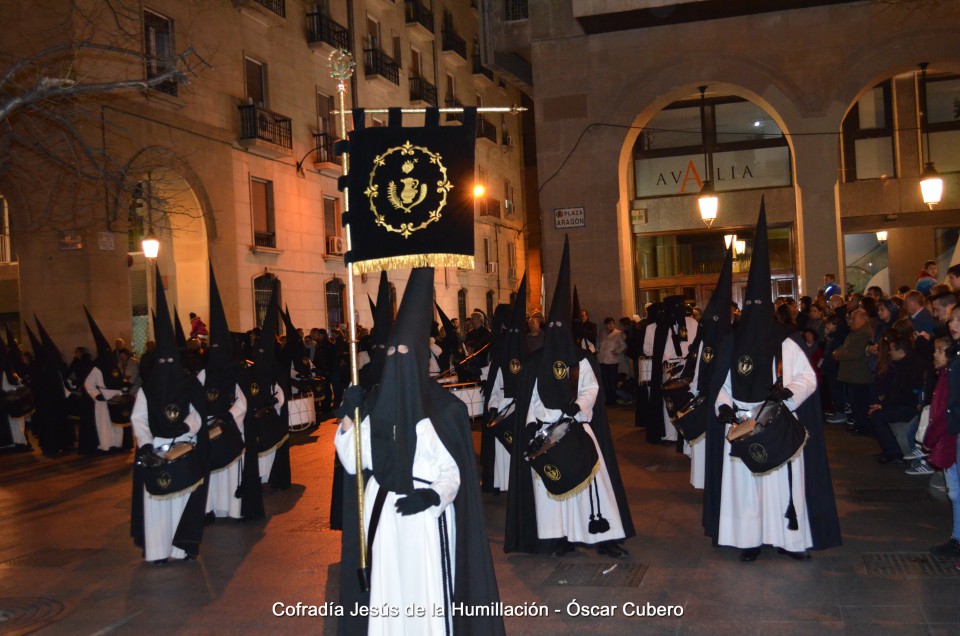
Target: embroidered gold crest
(560,369)
(254,389)
(164,480)
(408,206)
(172,412)
(212,395)
(514,366)
(509,437)
(758,453)
(745,365)
(708,355)
(552,472)
(115,373)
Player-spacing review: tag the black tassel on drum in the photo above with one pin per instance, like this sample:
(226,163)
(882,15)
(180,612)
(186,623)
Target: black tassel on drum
(791,510)
(597,525)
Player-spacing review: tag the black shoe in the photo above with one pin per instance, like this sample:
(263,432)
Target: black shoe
(210,518)
(796,556)
(612,550)
(951,548)
(879,456)
(563,549)
(160,562)
(888,459)
(749,555)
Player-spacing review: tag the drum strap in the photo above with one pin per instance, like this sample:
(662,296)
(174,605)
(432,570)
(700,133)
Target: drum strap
(375,522)
(791,513)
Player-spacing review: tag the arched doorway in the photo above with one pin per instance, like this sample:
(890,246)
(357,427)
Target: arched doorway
(165,204)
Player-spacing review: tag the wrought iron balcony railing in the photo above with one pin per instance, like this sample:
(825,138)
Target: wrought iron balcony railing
(322,28)
(265,239)
(486,130)
(479,69)
(277,6)
(376,62)
(455,43)
(323,142)
(419,14)
(256,122)
(422,91)
(452,102)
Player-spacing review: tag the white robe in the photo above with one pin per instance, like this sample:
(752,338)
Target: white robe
(266,460)
(110,436)
(161,516)
(501,455)
(669,353)
(407,556)
(697,452)
(570,518)
(752,507)
(221,499)
(18,425)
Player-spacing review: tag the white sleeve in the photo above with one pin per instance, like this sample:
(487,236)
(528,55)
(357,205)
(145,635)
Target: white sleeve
(431,450)
(798,375)
(648,339)
(587,389)
(239,408)
(192,420)
(281,398)
(140,420)
(344,442)
(91,383)
(496,393)
(726,393)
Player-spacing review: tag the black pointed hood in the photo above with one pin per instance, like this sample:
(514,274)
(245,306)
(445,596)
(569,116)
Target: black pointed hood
(373,308)
(180,335)
(51,351)
(382,323)
(105,359)
(401,399)
(715,322)
(576,324)
(39,352)
(759,336)
(101,342)
(294,350)
(221,368)
(513,351)
(559,350)
(266,364)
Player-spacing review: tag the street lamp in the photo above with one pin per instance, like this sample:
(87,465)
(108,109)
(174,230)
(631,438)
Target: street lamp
(882,236)
(740,247)
(151,245)
(707,200)
(931,185)
(729,238)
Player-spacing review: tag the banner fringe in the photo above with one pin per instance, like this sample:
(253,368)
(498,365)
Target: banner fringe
(413,260)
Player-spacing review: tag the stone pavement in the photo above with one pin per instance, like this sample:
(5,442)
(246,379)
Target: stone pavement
(68,566)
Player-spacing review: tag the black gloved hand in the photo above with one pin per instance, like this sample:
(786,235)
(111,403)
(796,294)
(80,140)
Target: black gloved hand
(418,501)
(353,397)
(100,398)
(531,429)
(571,409)
(779,393)
(181,429)
(491,415)
(726,414)
(144,450)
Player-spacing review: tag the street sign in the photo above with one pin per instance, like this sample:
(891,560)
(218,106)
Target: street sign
(566,218)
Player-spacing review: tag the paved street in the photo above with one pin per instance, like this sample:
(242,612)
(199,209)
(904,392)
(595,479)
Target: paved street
(68,566)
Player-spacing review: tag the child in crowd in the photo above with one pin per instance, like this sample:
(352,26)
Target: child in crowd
(941,443)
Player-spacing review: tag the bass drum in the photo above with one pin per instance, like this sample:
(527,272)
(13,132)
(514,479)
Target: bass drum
(775,437)
(644,370)
(302,413)
(226,442)
(566,461)
(121,407)
(269,430)
(19,402)
(171,471)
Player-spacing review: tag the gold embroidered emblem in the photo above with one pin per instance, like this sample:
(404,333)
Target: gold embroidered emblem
(514,366)
(424,171)
(115,373)
(164,480)
(212,395)
(707,355)
(254,389)
(552,472)
(172,412)
(559,369)
(745,365)
(758,453)
(509,437)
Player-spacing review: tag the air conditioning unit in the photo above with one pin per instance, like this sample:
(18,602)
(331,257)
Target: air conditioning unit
(492,267)
(508,206)
(335,245)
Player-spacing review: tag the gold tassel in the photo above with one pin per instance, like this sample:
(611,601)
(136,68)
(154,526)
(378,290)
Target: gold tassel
(274,447)
(413,260)
(576,490)
(235,460)
(698,439)
(174,495)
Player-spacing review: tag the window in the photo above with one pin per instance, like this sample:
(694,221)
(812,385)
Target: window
(747,147)
(511,261)
(262,288)
(326,122)
(261,202)
(256,80)
(373,33)
(331,226)
(868,151)
(335,302)
(5,254)
(397,50)
(462,306)
(490,303)
(943,120)
(479,100)
(508,202)
(486,252)
(158,45)
(416,63)
(451,87)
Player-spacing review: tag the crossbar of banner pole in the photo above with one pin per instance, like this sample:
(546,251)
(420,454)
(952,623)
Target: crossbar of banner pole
(483,109)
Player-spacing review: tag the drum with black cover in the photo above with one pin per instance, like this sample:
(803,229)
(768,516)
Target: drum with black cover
(120,407)
(566,459)
(226,442)
(18,402)
(775,437)
(170,470)
(269,429)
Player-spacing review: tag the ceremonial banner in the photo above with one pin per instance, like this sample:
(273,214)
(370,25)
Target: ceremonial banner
(411,194)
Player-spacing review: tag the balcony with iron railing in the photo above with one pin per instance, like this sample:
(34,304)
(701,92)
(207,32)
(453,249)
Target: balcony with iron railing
(265,132)
(454,47)
(422,91)
(324,157)
(265,239)
(481,74)
(377,64)
(419,19)
(515,10)
(275,11)
(486,130)
(453,102)
(490,207)
(505,139)
(324,33)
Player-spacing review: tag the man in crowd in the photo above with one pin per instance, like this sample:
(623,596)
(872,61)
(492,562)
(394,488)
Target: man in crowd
(927,277)
(830,286)
(900,399)
(612,344)
(855,370)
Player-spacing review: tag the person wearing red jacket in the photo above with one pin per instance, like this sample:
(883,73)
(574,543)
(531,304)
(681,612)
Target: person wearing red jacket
(941,442)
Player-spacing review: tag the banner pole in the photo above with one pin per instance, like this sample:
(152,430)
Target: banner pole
(341,69)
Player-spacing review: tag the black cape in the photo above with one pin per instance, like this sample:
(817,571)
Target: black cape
(521,525)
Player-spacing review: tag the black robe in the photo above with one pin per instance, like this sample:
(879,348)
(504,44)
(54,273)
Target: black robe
(521,524)
(818,485)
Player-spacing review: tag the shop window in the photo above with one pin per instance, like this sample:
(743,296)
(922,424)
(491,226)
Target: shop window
(262,288)
(335,302)
(868,149)
(261,203)
(943,122)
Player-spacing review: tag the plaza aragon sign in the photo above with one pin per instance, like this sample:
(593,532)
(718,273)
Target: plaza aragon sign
(735,170)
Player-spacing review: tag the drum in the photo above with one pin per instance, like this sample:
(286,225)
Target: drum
(771,440)
(303,388)
(302,413)
(692,419)
(566,460)
(644,370)
(120,407)
(19,402)
(503,425)
(226,442)
(676,393)
(269,430)
(471,394)
(170,470)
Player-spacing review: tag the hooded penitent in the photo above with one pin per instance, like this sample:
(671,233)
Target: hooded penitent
(382,322)
(576,323)
(294,350)
(106,359)
(512,352)
(221,369)
(759,335)
(715,324)
(451,340)
(559,353)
